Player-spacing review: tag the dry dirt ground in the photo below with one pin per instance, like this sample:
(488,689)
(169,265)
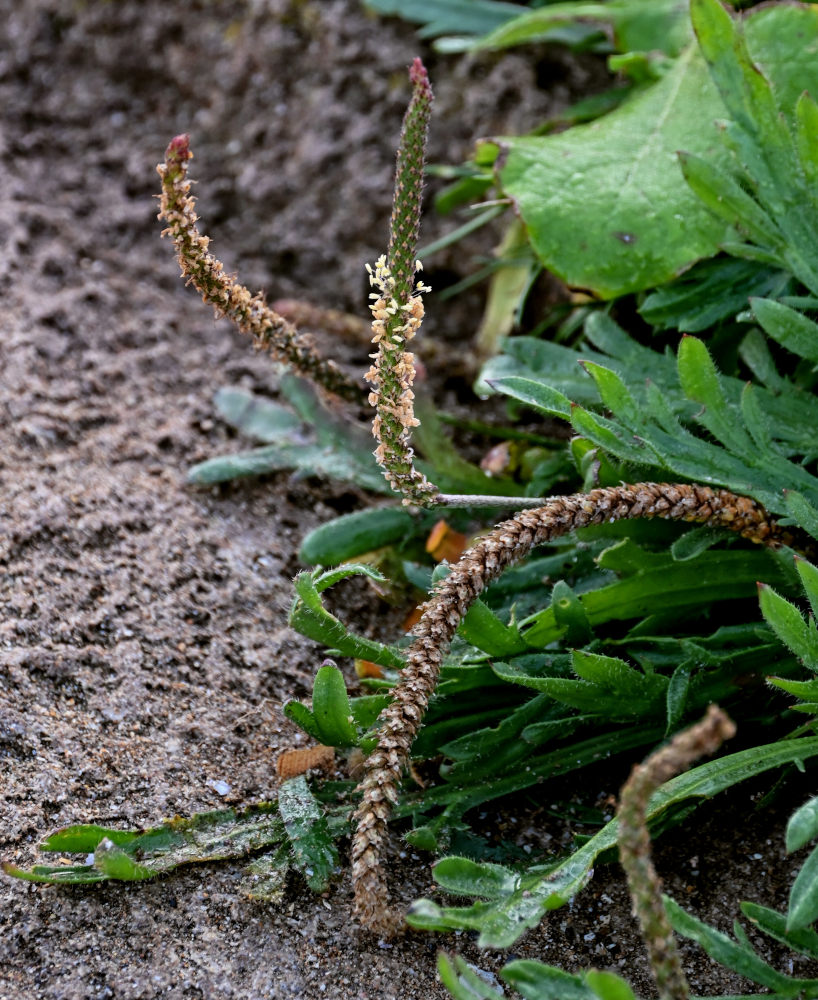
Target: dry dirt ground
(144,653)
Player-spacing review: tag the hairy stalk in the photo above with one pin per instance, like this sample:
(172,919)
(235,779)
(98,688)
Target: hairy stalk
(250,313)
(397,308)
(634,843)
(452,598)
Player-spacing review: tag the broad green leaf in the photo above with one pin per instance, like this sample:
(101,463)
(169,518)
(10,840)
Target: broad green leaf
(802,826)
(314,851)
(536,981)
(608,986)
(605,203)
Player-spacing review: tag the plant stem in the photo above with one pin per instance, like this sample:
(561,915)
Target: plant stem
(634,843)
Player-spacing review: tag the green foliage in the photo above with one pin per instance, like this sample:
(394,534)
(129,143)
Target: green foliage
(311,437)
(519,900)
(295,832)
(615,180)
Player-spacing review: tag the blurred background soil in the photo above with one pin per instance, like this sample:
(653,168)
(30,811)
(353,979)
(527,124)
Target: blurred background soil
(144,652)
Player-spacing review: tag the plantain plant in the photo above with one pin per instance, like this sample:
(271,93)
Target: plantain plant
(599,622)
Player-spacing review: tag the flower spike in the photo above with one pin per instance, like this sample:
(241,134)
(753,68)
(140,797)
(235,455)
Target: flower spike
(250,313)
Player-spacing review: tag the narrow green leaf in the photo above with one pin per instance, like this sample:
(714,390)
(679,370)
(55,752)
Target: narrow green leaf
(775,924)
(725,951)
(802,512)
(314,851)
(483,629)
(727,200)
(802,826)
(609,986)
(701,382)
(803,903)
(501,922)
(462,982)
(789,625)
(112,861)
(536,981)
(537,395)
(354,534)
(303,718)
(809,579)
(84,838)
(258,417)
(464,877)
(309,617)
(569,615)
(788,327)
(806,137)
(331,709)
(678,690)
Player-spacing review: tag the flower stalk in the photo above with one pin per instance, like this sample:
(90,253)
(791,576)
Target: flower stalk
(397,307)
(452,597)
(634,843)
(251,314)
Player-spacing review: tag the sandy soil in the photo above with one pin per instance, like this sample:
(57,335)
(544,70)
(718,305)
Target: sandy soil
(143,647)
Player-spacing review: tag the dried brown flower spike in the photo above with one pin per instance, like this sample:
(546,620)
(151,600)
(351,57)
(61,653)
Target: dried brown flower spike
(634,843)
(250,313)
(453,596)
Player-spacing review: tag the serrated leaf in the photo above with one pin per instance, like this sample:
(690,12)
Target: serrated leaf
(788,624)
(775,924)
(732,955)
(788,327)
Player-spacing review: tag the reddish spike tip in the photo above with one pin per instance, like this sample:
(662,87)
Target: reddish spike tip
(178,150)
(418,74)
